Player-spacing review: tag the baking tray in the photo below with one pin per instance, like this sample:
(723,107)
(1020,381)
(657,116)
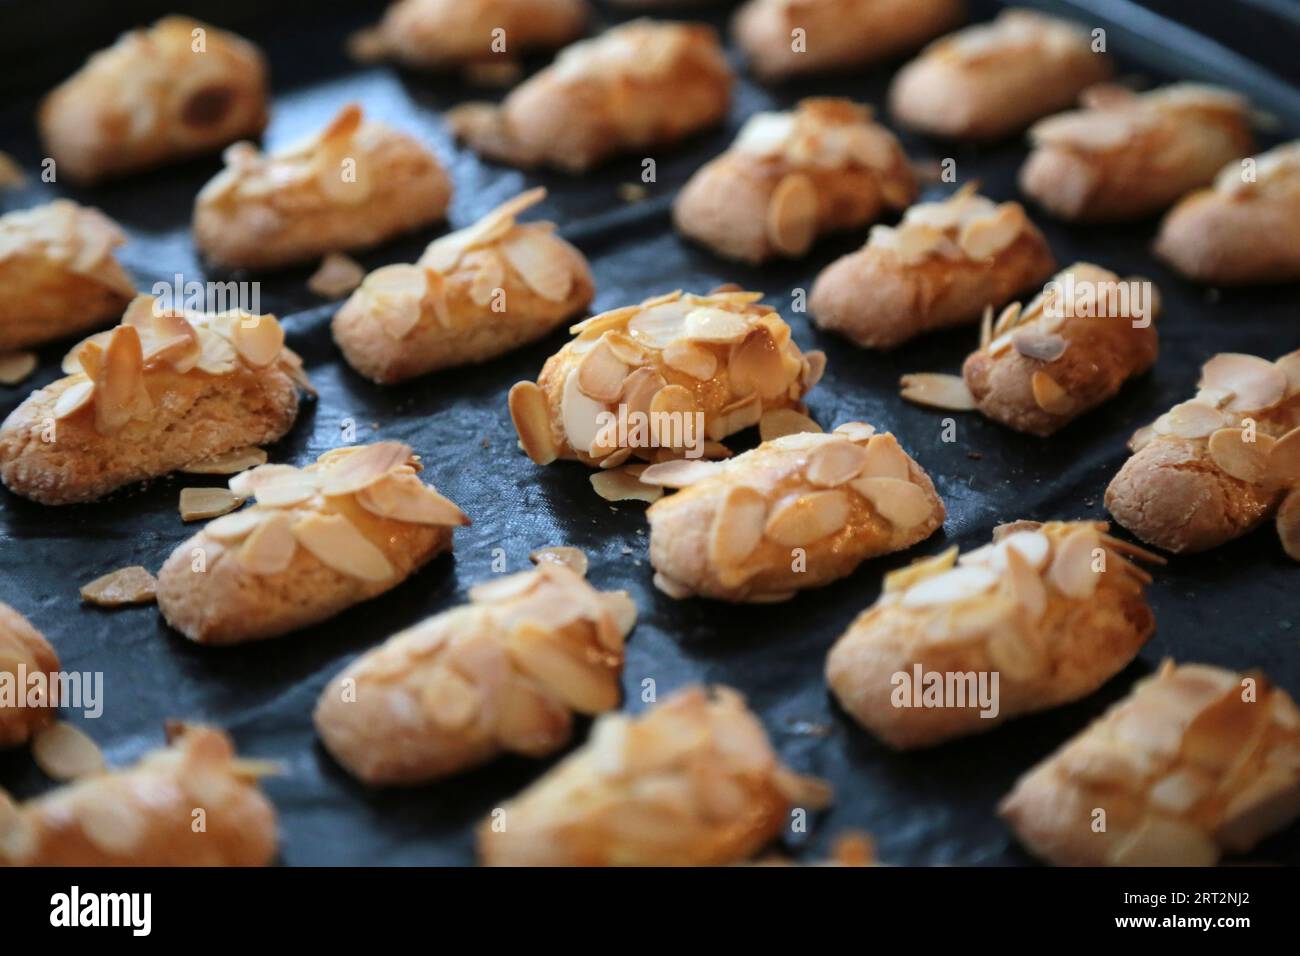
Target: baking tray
(1235,606)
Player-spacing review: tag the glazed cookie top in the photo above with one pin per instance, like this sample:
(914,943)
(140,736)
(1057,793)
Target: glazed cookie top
(1013,33)
(1114,117)
(490,250)
(110,371)
(83,239)
(964,227)
(1276,175)
(307,174)
(646,50)
(1235,392)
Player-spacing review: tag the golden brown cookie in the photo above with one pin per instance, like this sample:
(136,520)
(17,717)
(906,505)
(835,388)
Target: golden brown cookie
(25,655)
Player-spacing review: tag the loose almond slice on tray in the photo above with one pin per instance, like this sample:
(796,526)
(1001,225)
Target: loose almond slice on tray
(131,585)
(935,390)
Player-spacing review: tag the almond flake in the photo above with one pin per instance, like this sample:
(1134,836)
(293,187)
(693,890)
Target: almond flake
(542,260)
(338,544)
(131,585)
(678,473)
(200,504)
(791,223)
(64,753)
(120,393)
(885,458)
(1034,344)
(1256,384)
(580,415)
(737,526)
(16,366)
(601,374)
(1243,460)
(228,463)
(1049,395)
(987,236)
(237,526)
(1190,420)
(217,356)
(1288,524)
(582,686)
(806,518)
(1071,572)
(950,587)
(396,295)
(1025,583)
(814,367)
(269,549)
(1284,459)
(779,422)
(756,366)
(835,462)
(901,503)
(73,399)
(1290,366)
(367,465)
(692,359)
(258,339)
(919,570)
(337,276)
(575,559)
(406,498)
(283,489)
(623,484)
(532,420)
(948,392)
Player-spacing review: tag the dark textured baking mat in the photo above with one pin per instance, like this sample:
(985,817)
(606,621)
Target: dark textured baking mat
(1235,606)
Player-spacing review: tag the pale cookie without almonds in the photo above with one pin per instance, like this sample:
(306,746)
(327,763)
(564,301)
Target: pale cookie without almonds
(1053,610)
(27,662)
(640,85)
(792,177)
(144,815)
(355,184)
(1195,763)
(635,379)
(318,540)
(1128,155)
(1214,467)
(796,512)
(993,79)
(58,274)
(159,391)
(505,673)
(474,294)
(178,89)
(941,266)
(692,782)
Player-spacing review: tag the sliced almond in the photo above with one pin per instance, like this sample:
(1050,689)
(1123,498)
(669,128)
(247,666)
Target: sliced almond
(284,490)
(1049,395)
(120,393)
(130,585)
(791,222)
(640,390)
(258,339)
(950,587)
(532,419)
(396,295)
(626,349)
(856,432)
(948,392)
(1071,572)
(737,526)
(337,544)
(919,570)
(659,325)
(708,324)
(1256,384)
(623,484)
(200,504)
(901,503)
(73,399)
(450,700)
(1025,584)
(814,367)
(1035,344)
(691,359)
(736,416)
(779,422)
(1288,524)
(1190,420)
(216,356)
(756,366)
(678,473)
(337,276)
(228,463)
(1290,366)
(16,366)
(541,259)
(366,466)
(269,549)
(1014,655)
(64,753)
(1284,459)
(585,687)
(401,497)
(1243,460)
(237,526)
(885,458)
(601,373)
(835,462)
(581,416)
(575,559)
(804,519)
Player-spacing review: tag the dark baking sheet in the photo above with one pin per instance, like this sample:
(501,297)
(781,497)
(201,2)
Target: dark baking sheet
(1235,606)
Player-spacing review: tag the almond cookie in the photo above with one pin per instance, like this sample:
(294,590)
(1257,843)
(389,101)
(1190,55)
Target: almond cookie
(1212,468)
(160,391)
(440,34)
(796,512)
(356,184)
(1126,156)
(637,86)
(993,79)
(1196,762)
(502,674)
(1043,616)
(27,666)
(658,379)
(146,815)
(1244,230)
(58,275)
(792,177)
(941,266)
(692,782)
(1071,349)
(475,294)
(318,540)
(178,89)
(836,34)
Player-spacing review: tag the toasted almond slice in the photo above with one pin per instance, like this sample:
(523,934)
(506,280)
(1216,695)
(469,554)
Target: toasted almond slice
(396,294)
(901,503)
(237,526)
(541,259)
(1007,319)
(1141,438)
(919,570)
(791,222)
(601,373)
(16,366)
(708,324)
(934,390)
(1035,344)
(532,420)
(623,484)
(120,393)
(1288,524)
(336,276)
(678,473)
(169,338)
(659,325)
(950,586)
(756,366)
(691,358)
(1071,572)
(1025,583)
(803,519)
(283,489)
(737,416)
(814,367)
(365,467)
(406,498)
(1255,383)
(489,275)
(737,526)
(582,417)
(585,687)
(338,544)
(64,753)
(217,355)
(779,422)
(1190,420)
(450,700)
(913,242)
(626,349)
(1284,459)
(505,588)
(857,432)
(575,559)
(258,339)
(597,325)
(270,547)
(640,389)
(228,463)
(1243,460)
(200,504)
(130,585)
(73,399)
(1290,366)
(1014,655)
(885,458)
(673,399)
(1049,395)
(835,462)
